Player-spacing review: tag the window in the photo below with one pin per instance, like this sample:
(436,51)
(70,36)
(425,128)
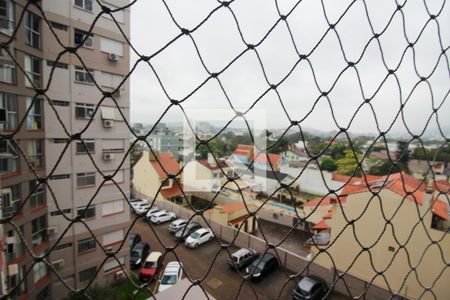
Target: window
(39,271)
(58,177)
(34,152)
(8,102)
(118,15)
(39,230)
(88,144)
(111,46)
(10,200)
(36,193)
(7,72)
(84,110)
(60,141)
(58,213)
(86,213)
(86,245)
(32,25)
(59,103)
(9,160)
(110,80)
(83,76)
(85,179)
(34,116)
(115,145)
(83,4)
(58,64)
(113,237)
(58,26)
(6,17)
(33,71)
(87,274)
(113,264)
(80,36)
(113,207)
(19,281)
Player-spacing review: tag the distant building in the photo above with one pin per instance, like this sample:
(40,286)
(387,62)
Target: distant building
(150,174)
(234,214)
(245,154)
(162,139)
(294,154)
(205,175)
(403,200)
(420,168)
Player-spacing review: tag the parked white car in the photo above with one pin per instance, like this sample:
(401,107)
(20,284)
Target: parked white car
(163,216)
(153,211)
(199,237)
(141,208)
(172,275)
(177,225)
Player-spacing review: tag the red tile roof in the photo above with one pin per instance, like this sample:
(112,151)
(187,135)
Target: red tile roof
(326,201)
(440,209)
(169,163)
(273,158)
(442,186)
(246,148)
(174,191)
(229,208)
(321,225)
(222,164)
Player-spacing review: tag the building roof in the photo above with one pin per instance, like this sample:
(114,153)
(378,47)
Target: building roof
(265,158)
(169,163)
(440,209)
(442,186)
(175,191)
(383,154)
(322,225)
(222,164)
(329,200)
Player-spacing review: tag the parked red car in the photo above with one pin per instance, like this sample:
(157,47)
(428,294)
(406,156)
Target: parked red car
(150,267)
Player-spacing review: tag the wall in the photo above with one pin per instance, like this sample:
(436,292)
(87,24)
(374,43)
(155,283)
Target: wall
(145,179)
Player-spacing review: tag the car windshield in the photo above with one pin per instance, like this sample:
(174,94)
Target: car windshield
(149,264)
(258,263)
(135,254)
(195,235)
(169,279)
(234,258)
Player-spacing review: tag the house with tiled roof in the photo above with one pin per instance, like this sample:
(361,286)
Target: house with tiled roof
(294,154)
(246,154)
(158,174)
(206,174)
(235,215)
(392,216)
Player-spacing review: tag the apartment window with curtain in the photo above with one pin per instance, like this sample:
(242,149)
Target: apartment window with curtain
(6,17)
(7,72)
(8,102)
(32,25)
(83,76)
(35,153)
(9,160)
(33,71)
(39,230)
(36,194)
(34,116)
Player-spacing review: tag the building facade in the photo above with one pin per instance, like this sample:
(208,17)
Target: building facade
(42,146)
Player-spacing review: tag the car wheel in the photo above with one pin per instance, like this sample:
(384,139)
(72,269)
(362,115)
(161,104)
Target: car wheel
(196,245)
(210,238)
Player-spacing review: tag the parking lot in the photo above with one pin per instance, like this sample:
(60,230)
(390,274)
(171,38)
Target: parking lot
(208,264)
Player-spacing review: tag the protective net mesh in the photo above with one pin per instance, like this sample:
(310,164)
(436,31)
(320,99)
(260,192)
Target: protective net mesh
(340,277)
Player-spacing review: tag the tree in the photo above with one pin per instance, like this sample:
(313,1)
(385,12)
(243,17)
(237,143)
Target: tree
(403,155)
(280,145)
(382,167)
(328,164)
(349,165)
(135,154)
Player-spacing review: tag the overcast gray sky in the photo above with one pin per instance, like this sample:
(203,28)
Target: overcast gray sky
(218,40)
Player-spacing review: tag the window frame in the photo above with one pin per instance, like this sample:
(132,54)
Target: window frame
(81,35)
(4,68)
(35,75)
(30,32)
(84,175)
(9,103)
(79,147)
(34,115)
(13,198)
(37,197)
(12,161)
(38,269)
(87,274)
(87,76)
(36,159)
(9,18)
(90,212)
(88,109)
(90,242)
(84,5)
(39,230)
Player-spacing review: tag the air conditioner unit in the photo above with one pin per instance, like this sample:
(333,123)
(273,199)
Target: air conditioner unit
(109,250)
(52,230)
(112,57)
(108,123)
(108,156)
(120,274)
(58,263)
